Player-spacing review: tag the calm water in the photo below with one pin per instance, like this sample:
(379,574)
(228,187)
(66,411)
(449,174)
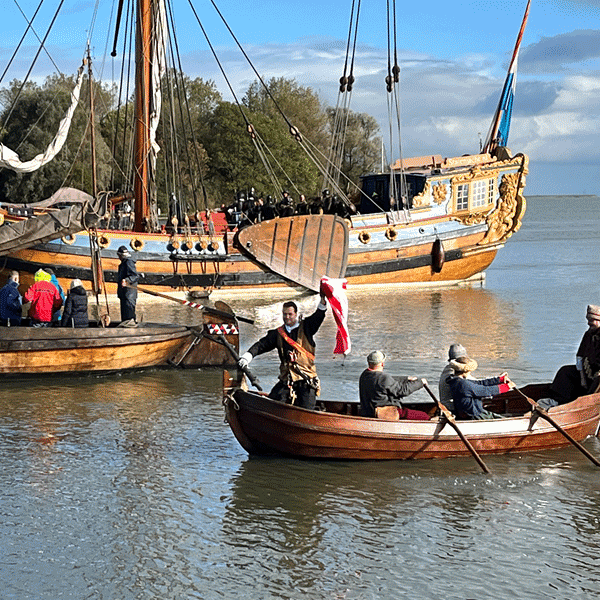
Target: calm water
(132,486)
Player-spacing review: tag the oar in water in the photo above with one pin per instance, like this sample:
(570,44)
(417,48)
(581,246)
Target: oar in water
(542,413)
(208,309)
(450,418)
(221,339)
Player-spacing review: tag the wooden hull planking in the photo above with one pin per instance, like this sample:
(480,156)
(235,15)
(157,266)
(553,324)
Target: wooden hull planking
(263,426)
(34,351)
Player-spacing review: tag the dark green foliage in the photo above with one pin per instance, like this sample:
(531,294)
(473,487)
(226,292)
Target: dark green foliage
(32,126)
(206,148)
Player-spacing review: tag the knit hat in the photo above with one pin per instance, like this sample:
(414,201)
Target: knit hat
(376,357)
(41,275)
(593,312)
(463,364)
(123,252)
(76,283)
(456,351)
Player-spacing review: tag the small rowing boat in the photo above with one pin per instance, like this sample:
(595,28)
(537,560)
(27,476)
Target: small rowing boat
(264,426)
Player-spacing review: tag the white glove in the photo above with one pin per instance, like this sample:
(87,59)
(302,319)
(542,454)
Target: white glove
(245,360)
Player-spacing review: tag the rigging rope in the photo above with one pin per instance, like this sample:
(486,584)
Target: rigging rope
(29,26)
(9,113)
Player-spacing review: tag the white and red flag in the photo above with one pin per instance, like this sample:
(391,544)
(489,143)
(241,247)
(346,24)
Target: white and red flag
(335,292)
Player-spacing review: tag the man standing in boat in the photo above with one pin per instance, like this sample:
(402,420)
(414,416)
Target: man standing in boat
(128,277)
(298,381)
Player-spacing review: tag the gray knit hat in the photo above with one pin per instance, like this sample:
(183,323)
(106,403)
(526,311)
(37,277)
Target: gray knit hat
(376,357)
(593,312)
(456,351)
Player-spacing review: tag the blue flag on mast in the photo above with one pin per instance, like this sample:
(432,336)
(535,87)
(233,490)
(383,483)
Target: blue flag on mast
(500,128)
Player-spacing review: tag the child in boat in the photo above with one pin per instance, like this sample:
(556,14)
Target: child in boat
(467,393)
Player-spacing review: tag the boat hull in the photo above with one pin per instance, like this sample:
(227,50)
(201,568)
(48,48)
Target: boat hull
(264,426)
(436,242)
(36,351)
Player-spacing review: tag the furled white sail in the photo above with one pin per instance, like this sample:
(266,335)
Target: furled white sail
(158,69)
(10,159)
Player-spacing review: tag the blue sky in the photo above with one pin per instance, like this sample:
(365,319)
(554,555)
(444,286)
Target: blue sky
(453,57)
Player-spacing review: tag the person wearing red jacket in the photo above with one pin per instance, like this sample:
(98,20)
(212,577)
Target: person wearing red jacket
(44,298)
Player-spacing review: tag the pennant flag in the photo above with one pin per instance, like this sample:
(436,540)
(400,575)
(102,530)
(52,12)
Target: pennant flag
(500,127)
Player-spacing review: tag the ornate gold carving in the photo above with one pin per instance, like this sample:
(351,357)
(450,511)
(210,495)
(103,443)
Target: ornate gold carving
(506,218)
(470,219)
(422,199)
(439,193)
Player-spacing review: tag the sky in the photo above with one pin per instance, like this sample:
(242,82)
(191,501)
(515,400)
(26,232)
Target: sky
(453,58)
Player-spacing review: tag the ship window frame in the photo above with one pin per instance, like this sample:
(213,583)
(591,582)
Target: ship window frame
(461,200)
(480,194)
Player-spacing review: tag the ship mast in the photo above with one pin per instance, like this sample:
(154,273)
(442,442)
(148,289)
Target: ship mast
(141,176)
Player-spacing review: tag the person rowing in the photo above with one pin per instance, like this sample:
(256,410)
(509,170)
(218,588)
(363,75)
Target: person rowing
(378,389)
(468,392)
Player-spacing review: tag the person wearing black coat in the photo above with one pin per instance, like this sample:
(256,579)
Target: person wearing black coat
(127,277)
(75,313)
(378,389)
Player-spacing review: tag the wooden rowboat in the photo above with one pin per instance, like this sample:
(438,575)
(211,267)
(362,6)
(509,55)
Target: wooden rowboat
(26,351)
(264,426)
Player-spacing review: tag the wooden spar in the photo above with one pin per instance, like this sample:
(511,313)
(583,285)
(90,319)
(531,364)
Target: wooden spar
(221,339)
(537,409)
(141,177)
(208,309)
(491,143)
(92,125)
(450,419)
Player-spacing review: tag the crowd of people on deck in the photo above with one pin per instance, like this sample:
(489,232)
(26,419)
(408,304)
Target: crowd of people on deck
(251,208)
(459,390)
(47,305)
(46,302)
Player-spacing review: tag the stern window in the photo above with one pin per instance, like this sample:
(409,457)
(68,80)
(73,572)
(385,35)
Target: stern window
(462,196)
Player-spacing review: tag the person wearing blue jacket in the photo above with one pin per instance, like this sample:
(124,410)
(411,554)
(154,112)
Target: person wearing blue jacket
(468,393)
(11,302)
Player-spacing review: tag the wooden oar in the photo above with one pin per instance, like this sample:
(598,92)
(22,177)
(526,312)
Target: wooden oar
(450,418)
(221,339)
(542,413)
(208,309)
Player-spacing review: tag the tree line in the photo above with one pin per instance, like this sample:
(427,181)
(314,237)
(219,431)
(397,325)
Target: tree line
(207,153)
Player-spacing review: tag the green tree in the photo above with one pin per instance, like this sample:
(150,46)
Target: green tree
(31,127)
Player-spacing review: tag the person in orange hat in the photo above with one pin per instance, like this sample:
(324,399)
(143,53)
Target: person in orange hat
(572,381)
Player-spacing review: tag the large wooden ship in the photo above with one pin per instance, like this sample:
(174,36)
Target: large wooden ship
(429,220)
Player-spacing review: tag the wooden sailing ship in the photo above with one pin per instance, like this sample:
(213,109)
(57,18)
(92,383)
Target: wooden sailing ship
(431,220)
(263,426)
